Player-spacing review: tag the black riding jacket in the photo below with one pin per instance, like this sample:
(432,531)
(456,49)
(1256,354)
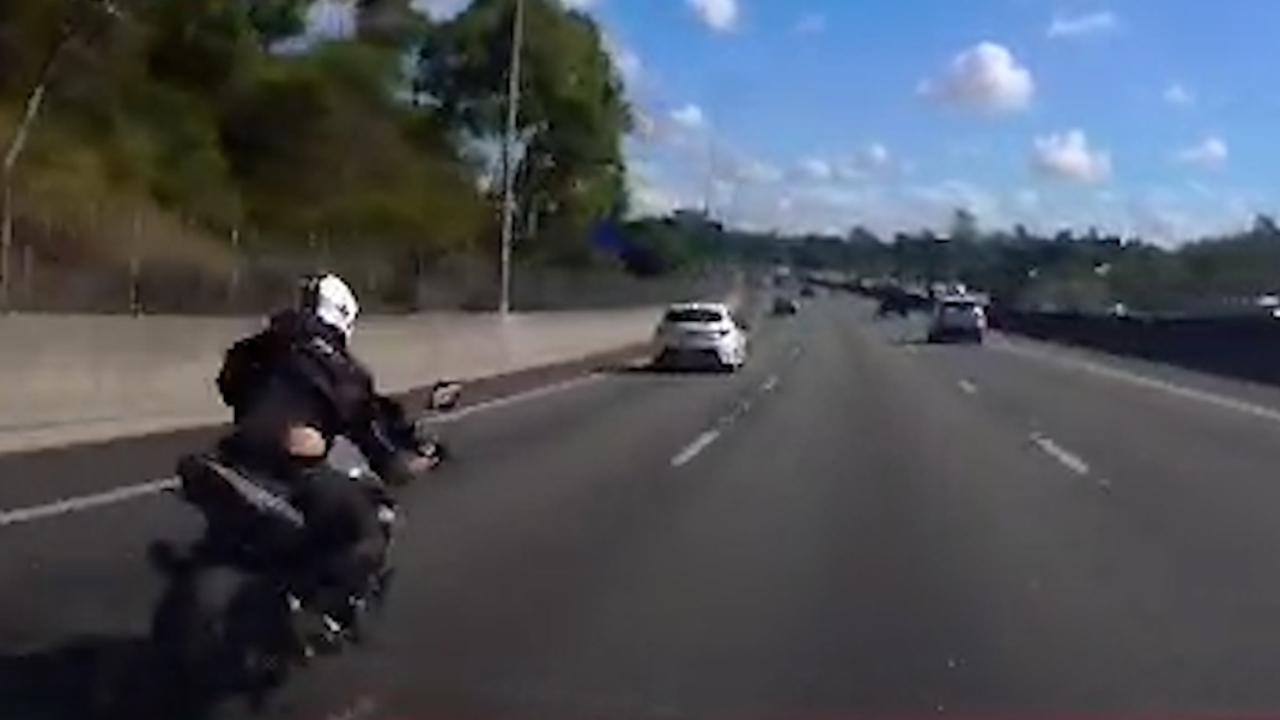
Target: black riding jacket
(299,371)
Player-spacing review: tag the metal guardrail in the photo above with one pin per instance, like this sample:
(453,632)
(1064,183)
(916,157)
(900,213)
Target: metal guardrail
(1245,346)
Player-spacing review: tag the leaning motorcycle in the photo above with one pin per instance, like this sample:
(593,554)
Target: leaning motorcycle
(243,605)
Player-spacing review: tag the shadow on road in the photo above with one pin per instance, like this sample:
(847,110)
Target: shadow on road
(90,678)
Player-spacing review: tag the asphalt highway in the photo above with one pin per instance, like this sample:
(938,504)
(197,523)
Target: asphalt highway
(856,525)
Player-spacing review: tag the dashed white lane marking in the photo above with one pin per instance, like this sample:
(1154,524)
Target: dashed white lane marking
(1069,460)
(1182,391)
(86,502)
(690,451)
(141,490)
(723,423)
(968,387)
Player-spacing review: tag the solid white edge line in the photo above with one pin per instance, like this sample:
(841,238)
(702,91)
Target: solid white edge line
(140,490)
(86,502)
(692,450)
(502,402)
(1068,459)
(1182,391)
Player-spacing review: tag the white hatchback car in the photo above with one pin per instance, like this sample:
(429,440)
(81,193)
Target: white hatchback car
(701,334)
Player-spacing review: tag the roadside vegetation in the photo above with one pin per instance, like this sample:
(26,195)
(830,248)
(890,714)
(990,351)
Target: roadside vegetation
(190,131)
(229,137)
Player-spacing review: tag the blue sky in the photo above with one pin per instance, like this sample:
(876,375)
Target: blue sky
(1150,116)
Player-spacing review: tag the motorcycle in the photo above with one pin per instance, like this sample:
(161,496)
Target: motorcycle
(243,604)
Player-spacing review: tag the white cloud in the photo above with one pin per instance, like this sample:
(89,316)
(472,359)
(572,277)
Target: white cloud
(851,172)
(650,194)
(325,20)
(816,169)
(986,78)
(649,200)
(724,192)
(1209,154)
(444,9)
(440,9)
(1068,156)
(749,170)
(876,156)
(626,60)
(867,163)
(646,128)
(837,198)
(719,15)
(1172,215)
(1179,95)
(870,162)
(800,205)
(689,117)
(629,64)
(1095,23)
(934,204)
(811,24)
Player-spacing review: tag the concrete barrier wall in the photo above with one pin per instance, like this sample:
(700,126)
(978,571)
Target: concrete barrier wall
(79,378)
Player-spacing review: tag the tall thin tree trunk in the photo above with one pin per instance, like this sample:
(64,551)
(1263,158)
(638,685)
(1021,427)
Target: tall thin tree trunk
(12,153)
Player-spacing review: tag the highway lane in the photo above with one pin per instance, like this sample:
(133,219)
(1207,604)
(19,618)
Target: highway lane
(1179,554)
(81,579)
(855,525)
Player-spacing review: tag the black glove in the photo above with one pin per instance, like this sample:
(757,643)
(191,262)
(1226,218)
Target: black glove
(405,466)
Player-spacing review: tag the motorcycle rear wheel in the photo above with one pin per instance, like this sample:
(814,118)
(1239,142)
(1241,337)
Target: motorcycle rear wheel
(217,632)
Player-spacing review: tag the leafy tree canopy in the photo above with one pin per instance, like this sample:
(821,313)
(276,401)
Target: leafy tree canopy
(572,113)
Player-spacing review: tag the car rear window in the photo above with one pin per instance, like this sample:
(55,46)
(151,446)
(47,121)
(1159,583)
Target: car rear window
(694,315)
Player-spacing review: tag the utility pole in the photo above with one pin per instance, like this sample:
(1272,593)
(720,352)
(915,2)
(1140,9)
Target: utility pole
(508,161)
(709,189)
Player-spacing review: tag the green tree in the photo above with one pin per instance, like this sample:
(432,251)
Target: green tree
(275,20)
(289,138)
(572,114)
(389,22)
(964,225)
(204,47)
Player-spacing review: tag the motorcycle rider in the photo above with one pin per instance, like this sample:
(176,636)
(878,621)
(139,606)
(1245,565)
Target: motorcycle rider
(294,388)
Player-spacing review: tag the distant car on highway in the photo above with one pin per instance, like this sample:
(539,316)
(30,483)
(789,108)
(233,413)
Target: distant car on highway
(701,335)
(958,317)
(783,305)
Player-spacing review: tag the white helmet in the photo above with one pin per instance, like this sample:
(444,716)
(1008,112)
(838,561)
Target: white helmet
(331,300)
